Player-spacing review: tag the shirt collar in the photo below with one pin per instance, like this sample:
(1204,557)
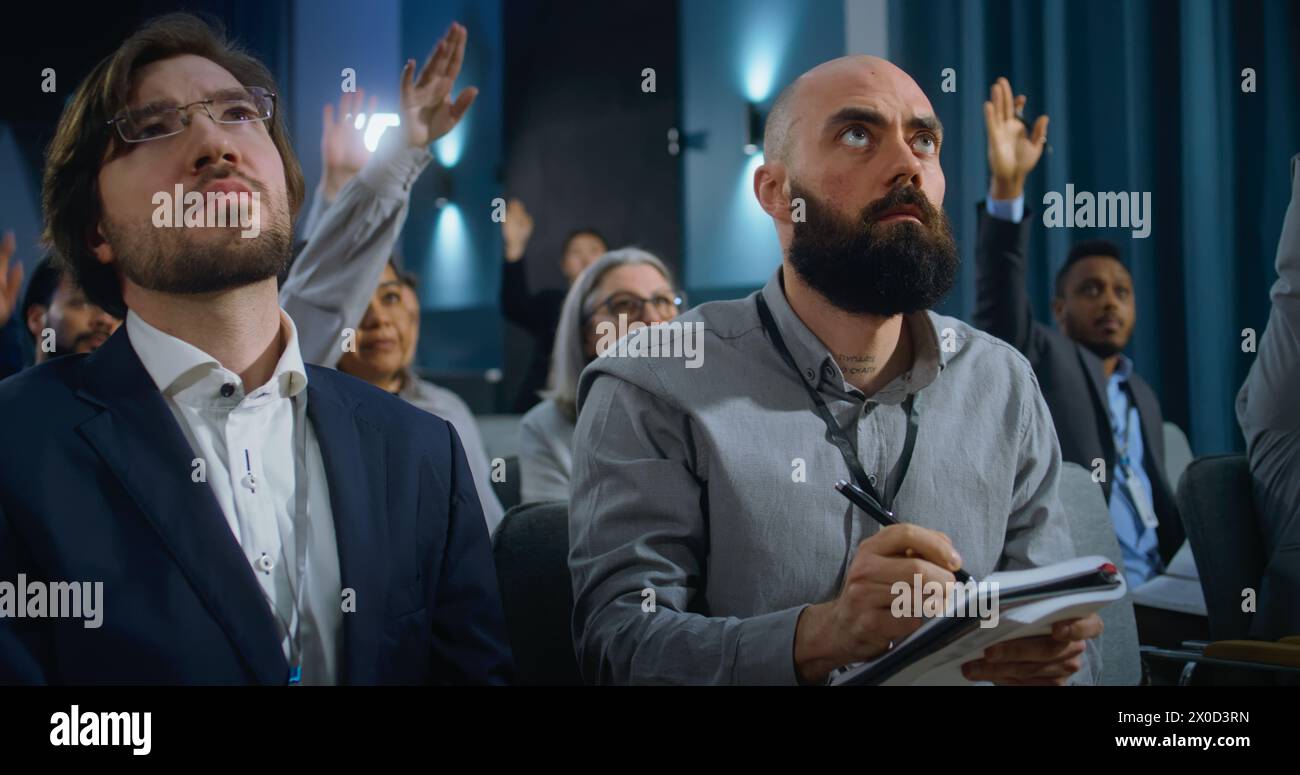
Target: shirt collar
(817,365)
(174,364)
(411,385)
(1123,369)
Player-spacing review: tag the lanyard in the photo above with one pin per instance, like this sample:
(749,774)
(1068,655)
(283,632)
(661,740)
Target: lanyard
(301,525)
(834,433)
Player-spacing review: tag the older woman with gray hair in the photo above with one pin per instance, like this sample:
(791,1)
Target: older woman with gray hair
(628,282)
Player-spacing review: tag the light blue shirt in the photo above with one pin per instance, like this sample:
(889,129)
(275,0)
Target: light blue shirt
(1138,542)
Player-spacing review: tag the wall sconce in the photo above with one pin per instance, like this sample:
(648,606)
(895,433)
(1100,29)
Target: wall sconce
(444,186)
(375,127)
(677,140)
(754,120)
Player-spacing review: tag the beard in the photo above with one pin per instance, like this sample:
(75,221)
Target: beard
(187,261)
(863,267)
(1102,349)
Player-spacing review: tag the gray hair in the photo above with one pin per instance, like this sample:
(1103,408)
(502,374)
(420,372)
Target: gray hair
(569,353)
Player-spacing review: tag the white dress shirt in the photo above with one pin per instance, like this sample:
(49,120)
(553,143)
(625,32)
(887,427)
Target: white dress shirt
(250,452)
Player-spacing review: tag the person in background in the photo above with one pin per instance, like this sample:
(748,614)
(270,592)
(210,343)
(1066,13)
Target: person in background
(360,206)
(384,351)
(13,340)
(52,303)
(1101,408)
(539,313)
(629,282)
(344,276)
(1267,413)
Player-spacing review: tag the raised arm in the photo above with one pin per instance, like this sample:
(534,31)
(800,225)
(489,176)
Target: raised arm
(517,302)
(1266,402)
(11,328)
(331,281)
(1002,305)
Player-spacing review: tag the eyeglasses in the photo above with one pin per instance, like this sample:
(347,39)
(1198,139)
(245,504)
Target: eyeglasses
(630,304)
(244,105)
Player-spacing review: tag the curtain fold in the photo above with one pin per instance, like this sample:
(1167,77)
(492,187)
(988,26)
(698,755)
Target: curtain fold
(1144,96)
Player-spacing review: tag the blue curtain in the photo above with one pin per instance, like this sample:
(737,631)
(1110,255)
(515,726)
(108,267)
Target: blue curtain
(1144,95)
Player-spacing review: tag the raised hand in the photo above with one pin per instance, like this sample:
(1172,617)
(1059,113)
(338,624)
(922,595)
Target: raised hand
(11,278)
(516,229)
(342,148)
(428,110)
(1013,152)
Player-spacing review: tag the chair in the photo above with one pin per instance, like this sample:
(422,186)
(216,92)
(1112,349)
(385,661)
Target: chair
(500,433)
(1216,503)
(1094,533)
(1178,453)
(507,490)
(531,550)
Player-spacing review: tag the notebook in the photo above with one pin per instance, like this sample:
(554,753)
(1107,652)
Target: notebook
(1028,603)
(1177,589)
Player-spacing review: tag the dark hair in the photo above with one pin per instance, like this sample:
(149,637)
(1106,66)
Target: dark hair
(45,281)
(580,232)
(409,279)
(1082,250)
(84,139)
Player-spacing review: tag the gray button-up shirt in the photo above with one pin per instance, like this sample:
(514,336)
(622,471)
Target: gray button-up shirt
(712,488)
(1266,409)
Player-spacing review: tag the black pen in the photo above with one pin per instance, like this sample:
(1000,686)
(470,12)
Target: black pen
(863,500)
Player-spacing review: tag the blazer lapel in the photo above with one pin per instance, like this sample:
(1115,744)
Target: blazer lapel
(140,442)
(1169,531)
(353,453)
(1091,365)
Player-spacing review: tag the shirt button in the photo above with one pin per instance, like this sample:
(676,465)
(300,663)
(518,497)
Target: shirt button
(249,481)
(871,478)
(265,564)
(810,374)
(228,389)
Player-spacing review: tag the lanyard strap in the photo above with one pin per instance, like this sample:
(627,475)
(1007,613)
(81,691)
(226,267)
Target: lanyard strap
(834,433)
(301,523)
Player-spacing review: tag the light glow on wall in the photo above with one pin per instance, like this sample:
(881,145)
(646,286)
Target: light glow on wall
(449,148)
(375,127)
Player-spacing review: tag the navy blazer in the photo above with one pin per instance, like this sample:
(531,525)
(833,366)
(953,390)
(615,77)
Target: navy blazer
(95,485)
(1071,376)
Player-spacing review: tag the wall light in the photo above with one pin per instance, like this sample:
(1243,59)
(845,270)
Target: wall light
(754,120)
(450,146)
(375,127)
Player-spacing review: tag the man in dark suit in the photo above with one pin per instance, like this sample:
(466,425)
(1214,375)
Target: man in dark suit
(1107,417)
(235,515)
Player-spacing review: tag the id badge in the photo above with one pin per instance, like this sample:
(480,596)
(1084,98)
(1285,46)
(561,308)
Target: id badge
(1138,494)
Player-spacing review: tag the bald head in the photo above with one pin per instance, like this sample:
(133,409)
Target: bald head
(848,133)
(849,73)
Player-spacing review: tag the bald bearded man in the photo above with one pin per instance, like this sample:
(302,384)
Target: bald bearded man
(708,544)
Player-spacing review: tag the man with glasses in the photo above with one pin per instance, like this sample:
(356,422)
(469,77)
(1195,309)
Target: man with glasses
(251,519)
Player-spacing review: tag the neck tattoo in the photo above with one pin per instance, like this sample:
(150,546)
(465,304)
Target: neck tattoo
(856,365)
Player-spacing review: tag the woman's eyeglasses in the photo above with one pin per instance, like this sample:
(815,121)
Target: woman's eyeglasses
(630,304)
